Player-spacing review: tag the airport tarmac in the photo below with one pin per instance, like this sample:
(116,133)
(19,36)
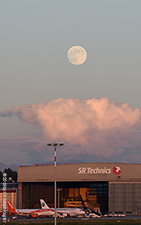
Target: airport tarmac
(132,219)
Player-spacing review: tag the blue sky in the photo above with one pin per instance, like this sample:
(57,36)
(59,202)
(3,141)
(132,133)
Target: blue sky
(35,37)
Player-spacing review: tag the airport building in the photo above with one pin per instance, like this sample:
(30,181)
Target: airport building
(10,192)
(110,187)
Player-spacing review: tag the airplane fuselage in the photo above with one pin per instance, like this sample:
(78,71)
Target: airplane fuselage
(39,212)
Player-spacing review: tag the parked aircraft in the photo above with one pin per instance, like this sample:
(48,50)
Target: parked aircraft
(26,212)
(64,211)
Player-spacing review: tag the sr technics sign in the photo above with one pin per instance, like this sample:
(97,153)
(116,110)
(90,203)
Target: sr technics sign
(97,170)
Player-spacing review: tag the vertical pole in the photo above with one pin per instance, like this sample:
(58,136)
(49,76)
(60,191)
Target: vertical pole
(55,176)
(58,198)
(59,195)
(28,196)
(55,183)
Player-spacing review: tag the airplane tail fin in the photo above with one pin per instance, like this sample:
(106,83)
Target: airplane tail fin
(43,204)
(11,208)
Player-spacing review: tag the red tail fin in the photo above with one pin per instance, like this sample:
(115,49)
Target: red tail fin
(11,208)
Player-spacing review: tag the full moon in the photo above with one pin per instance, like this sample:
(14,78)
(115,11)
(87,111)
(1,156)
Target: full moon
(77,55)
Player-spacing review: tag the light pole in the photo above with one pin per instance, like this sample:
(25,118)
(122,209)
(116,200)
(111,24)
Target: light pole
(55,145)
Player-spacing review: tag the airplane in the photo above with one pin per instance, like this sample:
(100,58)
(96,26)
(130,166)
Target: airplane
(64,211)
(28,212)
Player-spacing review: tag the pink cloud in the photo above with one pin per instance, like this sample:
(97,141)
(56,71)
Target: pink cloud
(96,126)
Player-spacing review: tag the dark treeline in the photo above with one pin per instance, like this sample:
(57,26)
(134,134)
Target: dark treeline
(11,175)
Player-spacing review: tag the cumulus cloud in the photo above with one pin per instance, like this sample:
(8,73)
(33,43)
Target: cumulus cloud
(97,127)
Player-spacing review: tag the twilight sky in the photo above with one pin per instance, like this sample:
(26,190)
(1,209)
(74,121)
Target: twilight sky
(94,108)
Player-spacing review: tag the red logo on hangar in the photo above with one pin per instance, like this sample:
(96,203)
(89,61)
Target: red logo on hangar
(116,170)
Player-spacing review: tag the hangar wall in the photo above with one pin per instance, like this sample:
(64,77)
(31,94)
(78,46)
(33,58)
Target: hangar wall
(81,172)
(125,197)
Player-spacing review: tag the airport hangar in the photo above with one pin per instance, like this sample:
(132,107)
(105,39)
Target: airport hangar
(112,187)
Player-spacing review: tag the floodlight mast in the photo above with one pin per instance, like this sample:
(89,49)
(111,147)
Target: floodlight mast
(55,145)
